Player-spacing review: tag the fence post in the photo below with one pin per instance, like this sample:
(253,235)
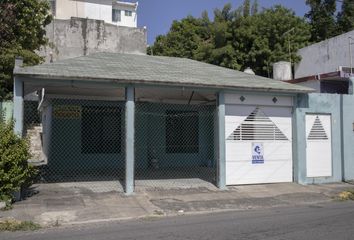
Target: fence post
(18,106)
(129,139)
(221,174)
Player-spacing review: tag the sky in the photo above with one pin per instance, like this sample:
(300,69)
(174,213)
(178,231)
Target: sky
(158,15)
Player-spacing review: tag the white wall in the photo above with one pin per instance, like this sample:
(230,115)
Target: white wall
(99,9)
(128,21)
(325,56)
(95,9)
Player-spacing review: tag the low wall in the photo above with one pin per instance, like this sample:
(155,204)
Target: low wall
(6,108)
(81,36)
(316,103)
(348,136)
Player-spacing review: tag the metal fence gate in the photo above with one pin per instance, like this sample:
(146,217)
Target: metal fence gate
(174,144)
(80,140)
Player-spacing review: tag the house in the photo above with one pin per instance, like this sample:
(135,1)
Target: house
(139,120)
(114,12)
(327,66)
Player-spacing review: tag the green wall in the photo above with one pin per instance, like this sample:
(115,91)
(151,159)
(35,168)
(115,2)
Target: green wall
(316,103)
(150,140)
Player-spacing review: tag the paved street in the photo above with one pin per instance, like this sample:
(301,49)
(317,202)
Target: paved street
(320,221)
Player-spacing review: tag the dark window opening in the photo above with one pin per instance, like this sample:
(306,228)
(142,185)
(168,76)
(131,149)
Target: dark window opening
(101,130)
(116,15)
(182,132)
(339,87)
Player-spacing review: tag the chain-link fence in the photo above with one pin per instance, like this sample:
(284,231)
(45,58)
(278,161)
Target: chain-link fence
(78,140)
(83,141)
(174,145)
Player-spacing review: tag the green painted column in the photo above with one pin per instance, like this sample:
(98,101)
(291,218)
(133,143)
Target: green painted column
(129,139)
(18,106)
(221,174)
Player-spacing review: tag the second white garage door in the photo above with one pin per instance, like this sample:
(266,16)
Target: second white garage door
(258,144)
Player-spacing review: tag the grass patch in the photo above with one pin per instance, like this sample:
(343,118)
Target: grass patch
(346,195)
(15,225)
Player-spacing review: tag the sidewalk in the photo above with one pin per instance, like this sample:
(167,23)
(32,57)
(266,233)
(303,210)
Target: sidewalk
(60,204)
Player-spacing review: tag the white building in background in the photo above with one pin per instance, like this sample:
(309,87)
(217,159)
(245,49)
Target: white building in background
(110,11)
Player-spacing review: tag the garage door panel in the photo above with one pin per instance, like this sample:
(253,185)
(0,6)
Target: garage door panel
(273,172)
(270,129)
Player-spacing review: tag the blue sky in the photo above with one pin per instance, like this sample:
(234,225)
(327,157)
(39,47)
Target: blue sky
(157,15)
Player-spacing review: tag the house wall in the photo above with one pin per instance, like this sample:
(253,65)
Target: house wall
(129,21)
(93,9)
(348,136)
(80,36)
(150,135)
(317,104)
(325,56)
(65,153)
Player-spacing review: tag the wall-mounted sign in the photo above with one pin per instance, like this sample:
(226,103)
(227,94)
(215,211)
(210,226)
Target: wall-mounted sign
(67,112)
(257,153)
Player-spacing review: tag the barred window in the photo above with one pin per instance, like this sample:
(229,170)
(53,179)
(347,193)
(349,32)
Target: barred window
(101,129)
(182,132)
(128,13)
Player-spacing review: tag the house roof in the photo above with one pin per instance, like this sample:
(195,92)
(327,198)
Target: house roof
(158,70)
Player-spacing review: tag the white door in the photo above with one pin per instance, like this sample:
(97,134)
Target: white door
(318,145)
(258,144)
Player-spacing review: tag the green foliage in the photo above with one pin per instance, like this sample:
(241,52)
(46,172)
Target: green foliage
(15,172)
(345,18)
(22,32)
(238,38)
(14,225)
(322,19)
(265,38)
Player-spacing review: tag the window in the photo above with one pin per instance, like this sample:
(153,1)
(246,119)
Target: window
(128,13)
(182,132)
(101,130)
(116,15)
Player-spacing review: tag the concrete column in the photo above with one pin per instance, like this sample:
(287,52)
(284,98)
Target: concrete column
(221,174)
(18,106)
(129,139)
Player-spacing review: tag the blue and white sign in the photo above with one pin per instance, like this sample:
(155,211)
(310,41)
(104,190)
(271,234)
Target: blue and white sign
(257,153)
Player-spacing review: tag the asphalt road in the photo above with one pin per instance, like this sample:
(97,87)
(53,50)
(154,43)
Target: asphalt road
(329,221)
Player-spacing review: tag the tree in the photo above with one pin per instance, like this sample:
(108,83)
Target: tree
(345,18)
(22,32)
(15,172)
(261,41)
(236,41)
(254,8)
(322,19)
(246,8)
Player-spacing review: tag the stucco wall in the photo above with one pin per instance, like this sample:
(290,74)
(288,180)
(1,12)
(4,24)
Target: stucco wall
(80,36)
(325,56)
(317,104)
(348,136)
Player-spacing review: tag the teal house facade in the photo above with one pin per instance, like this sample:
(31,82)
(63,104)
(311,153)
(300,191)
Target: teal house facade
(137,119)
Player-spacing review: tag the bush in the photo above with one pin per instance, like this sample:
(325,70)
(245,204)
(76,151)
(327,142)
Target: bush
(15,172)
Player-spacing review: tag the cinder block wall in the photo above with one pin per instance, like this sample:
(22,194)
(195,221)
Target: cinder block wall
(81,36)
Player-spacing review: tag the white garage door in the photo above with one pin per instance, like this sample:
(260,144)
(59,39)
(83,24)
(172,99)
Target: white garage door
(258,144)
(318,146)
